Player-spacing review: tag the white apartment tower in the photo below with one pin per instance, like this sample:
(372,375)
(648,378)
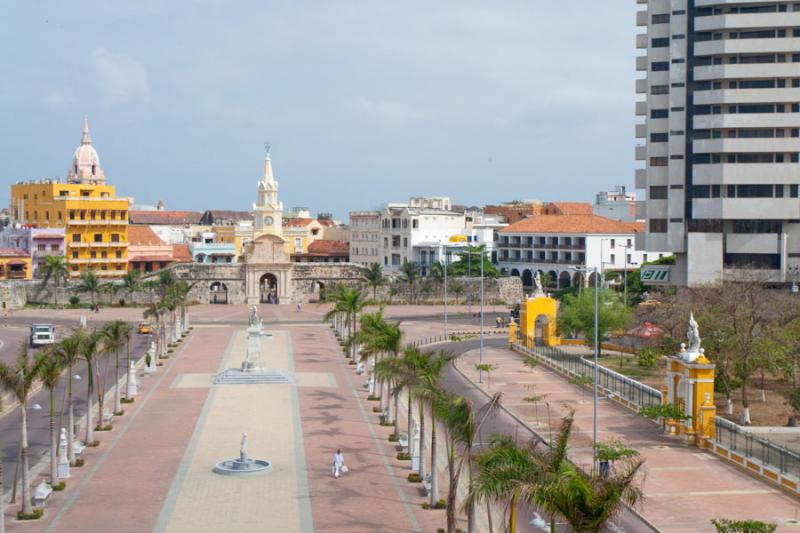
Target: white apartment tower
(720,138)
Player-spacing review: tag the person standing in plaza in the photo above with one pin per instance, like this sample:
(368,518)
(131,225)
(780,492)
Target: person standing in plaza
(338,463)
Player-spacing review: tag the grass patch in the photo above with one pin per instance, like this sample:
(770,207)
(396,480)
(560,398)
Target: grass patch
(393,438)
(59,486)
(106,427)
(127,400)
(441,504)
(403,456)
(35,515)
(413,477)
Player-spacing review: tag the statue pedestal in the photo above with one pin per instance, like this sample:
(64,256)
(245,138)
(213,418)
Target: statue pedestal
(63,461)
(133,386)
(253,361)
(690,386)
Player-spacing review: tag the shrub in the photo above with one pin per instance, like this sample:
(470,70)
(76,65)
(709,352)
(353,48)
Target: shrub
(94,444)
(723,525)
(403,456)
(373,398)
(35,515)
(386,423)
(78,463)
(127,400)
(59,486)
(413,477)
(119,413)
(668,412)
(647,357)
(393,438)
(441,504)
(376,410)
(74,300)
(351,362)
(106,427)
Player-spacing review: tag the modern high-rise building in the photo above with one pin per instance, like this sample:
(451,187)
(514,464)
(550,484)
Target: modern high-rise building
(720,138)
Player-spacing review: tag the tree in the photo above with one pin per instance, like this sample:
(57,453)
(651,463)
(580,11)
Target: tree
(90,283)
(131,283)
(109,288)
(115,335)
(389,340)
(18,379)
(505,471)
(373,277)
(409,274)
(586,502)
(68,353)
(349,303)
(723,525)
(468,263)
(55,270)
(50,371)
(462,425)
(91,349)
(455,287)
(576,314)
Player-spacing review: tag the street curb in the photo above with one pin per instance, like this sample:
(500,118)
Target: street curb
(538,436)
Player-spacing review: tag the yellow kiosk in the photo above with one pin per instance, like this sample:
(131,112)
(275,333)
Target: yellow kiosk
(539,305)
(690,387)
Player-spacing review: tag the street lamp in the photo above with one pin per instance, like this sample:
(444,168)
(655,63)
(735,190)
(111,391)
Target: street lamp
(445,290)
(480,356)
(596,377)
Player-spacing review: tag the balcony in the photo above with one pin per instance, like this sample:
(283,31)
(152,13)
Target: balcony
(779,144)
(747,96)
(640,153)
(641,41)
(97,222)
(747,46)
(640,178)
(750,70)
(641,86)
(747,21)
(746,208)
(641,108)
(747,120)
(641,18)
(746,173)
(640,131)
(641,63)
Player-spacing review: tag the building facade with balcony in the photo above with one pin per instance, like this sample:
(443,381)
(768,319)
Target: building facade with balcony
(720,140)
(559,245)
(94,219)
(15,263)
(39,243)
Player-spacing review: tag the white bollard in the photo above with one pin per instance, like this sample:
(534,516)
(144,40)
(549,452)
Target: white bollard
(133,386)
(414,450)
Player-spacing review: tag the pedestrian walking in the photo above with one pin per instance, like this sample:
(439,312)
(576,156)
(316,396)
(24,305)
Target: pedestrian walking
(299,307)
(338,464)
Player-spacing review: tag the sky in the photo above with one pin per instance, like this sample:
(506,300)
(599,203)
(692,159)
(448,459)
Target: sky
(362,102)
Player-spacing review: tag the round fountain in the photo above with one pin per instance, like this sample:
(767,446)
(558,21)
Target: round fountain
(244,465)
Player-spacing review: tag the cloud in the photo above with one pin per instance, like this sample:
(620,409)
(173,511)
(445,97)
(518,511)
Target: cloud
(121,80)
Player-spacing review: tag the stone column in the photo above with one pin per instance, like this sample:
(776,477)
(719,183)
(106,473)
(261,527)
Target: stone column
(414,449)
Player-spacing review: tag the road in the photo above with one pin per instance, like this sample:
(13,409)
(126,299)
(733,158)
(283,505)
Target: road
(505,424)
(38,421)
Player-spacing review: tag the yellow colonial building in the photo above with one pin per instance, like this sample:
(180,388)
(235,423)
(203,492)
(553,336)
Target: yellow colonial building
(95,220)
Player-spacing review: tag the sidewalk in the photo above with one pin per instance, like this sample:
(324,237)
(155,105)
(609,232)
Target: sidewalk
(684,487)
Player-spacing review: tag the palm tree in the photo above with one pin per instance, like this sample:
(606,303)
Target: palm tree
(426,391)
(68,353)
(368,338)
(109,288)
(50,371)
(374,278)
(506,471)
(18,379)
(91,349)
(131,283)
(115,335)
(462,425)
(90,283)
(127,333)
(348,302)
(390,342)
(409,274)
(457,288)
(586,502)
(55,270)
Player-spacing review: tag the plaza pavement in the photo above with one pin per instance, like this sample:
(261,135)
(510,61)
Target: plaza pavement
(153,471)
(684,487)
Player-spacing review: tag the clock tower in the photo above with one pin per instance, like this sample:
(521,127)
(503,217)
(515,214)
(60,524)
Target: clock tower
(268,211)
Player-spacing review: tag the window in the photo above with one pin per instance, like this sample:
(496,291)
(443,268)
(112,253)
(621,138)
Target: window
(701,225)
(659,137)
(658,192)
(74,254)
(41,247)
(659,89)
(658,161)
(659,42)
(659,113)
(98,237)
(658,225)
(756,226)
(613,243)
(54,248)
(659,66)
(76,237)
(701,191)
(753,261)
(754,191)
(660,19)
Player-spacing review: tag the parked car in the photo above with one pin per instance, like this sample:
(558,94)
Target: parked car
(42,335)
(145,328)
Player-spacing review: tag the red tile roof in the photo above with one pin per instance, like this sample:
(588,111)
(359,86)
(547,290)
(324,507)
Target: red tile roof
(297,222)
(143,236)
(150,258)
(181,253)
(325,246)
(13,252)
(164,217)
(573,224)
(567,208)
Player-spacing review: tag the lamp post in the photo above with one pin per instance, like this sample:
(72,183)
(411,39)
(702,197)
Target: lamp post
(445,293)
(480,372)
(596,373)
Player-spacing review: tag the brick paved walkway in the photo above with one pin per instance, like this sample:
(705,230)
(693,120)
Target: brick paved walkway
(684,487)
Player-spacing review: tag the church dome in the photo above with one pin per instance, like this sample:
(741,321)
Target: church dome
(85,161)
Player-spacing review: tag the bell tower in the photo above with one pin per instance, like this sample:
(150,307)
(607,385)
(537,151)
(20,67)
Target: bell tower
(268,211)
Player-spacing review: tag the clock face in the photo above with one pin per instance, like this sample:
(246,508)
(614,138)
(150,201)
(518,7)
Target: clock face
(268,221)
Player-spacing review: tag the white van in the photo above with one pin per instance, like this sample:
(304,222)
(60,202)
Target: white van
(42,334)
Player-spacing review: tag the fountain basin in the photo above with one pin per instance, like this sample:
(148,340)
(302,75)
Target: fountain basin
(237,467)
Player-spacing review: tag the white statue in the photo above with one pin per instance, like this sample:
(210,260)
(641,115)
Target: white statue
(693,334)
(243,448)
(254,320)
(538,290)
